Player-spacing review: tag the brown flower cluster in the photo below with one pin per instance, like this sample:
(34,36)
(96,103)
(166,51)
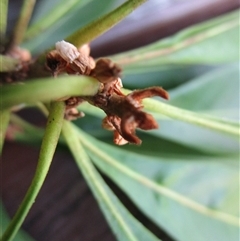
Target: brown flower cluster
(124,113)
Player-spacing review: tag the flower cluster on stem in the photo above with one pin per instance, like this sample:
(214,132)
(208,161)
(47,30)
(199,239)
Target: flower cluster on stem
(124,113)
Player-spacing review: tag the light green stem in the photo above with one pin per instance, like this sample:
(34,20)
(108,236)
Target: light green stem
(49,143)
(5,114)
(22,23)
(4,119)
(101,25)
(46,89)
(3,18)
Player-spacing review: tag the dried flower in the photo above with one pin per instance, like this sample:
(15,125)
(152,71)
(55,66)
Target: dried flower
(67,58)
(71,112)
(106,71)
(124,112)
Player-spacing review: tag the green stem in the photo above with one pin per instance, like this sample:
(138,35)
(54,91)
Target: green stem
(99,26)
(4,119)
(49,143)
(3,18)
(22,23)
(47,89)
(5,114)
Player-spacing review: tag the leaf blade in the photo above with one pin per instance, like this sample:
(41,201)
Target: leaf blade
(125,171)
(213,98)
(123,224)
(55,14)
(193,45)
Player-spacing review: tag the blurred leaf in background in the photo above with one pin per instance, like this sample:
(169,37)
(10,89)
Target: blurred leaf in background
(189,197)
(79,14)
(185,176)
(206,171)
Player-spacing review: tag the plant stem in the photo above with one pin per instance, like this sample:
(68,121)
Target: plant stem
(22,23)
(4,119)
(5,114)
(47,89)
(49,143)
(3,18)
(101,25)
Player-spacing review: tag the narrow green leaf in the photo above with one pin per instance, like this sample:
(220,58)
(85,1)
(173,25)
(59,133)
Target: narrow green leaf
(124,225)
(47,89)
(169,189)
(214,41)
(21,236)
(3,18)
(55,14)
(101,25)
(26,131)
(213,97)
(189,116)
(4,119)
(77,18)
(8,64)
(210,92)
(22,23)
(168,76)
(49,143)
